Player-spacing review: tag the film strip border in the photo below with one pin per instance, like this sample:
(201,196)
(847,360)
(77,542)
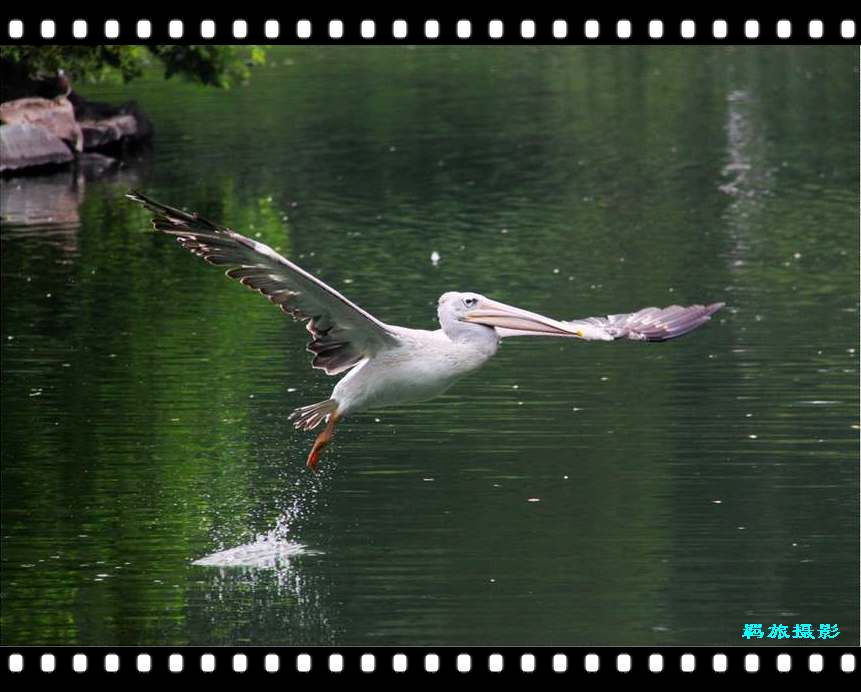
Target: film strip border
(661,662)
(525,30)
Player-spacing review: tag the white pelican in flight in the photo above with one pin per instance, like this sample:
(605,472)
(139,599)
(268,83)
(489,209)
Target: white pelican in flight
(391,365)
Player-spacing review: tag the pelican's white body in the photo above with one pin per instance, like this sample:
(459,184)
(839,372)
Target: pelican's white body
(422,366)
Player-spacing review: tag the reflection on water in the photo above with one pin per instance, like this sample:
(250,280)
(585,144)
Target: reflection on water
(49,200)
(52,200)
(154,492)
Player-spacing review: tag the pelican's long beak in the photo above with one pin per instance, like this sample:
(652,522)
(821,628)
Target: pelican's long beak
(521,322)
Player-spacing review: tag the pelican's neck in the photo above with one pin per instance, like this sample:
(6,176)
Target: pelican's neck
(481,337)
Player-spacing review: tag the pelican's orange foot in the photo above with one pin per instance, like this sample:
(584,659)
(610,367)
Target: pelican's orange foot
(313,458)
(321,443)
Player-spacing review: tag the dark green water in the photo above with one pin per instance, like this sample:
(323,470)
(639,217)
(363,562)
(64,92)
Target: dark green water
(685,488)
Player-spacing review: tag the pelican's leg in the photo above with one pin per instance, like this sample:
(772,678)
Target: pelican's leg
(322,441)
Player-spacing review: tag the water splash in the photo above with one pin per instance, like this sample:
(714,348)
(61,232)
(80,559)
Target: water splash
(263,553)
(272,549)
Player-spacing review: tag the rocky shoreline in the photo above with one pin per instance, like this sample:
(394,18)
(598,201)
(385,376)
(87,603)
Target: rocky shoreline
(42,134)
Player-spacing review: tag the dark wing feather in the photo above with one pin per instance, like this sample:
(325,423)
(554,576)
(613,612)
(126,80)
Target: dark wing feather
(648,324)
(342,334)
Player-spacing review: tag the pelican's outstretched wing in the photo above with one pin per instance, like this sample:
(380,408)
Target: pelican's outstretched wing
(342,333)
(648,324)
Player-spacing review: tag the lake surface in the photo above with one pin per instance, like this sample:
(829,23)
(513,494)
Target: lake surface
(569,493)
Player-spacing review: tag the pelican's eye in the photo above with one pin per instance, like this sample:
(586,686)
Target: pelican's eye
(470,302)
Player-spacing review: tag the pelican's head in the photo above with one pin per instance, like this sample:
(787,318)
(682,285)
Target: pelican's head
(465,313)
(455,305)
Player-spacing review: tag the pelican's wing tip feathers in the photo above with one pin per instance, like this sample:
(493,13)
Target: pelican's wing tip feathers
(649,324)
(141,199)
(147,202)
(173,221)
(664,324)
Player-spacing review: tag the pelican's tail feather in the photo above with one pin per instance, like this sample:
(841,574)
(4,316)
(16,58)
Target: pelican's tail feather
(309,417)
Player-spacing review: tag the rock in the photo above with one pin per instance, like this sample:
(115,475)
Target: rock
(24,146)
(57,116)
(99,134)
(106,125)
(40,126)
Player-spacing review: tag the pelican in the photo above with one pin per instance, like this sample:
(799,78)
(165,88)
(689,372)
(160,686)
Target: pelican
(387,365)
